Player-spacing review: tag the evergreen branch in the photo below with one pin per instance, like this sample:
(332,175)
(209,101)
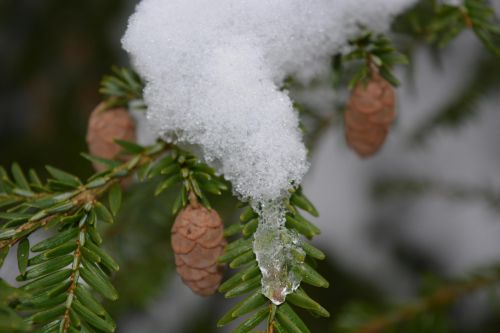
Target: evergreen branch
(121,87)
(58,300)
(35,210)
(439,23)
(376,53)
(443,296)
(61,302)
(239,254)
(82,196)
(194,177)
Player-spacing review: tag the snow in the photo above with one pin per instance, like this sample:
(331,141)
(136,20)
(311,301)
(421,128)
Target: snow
(213,72)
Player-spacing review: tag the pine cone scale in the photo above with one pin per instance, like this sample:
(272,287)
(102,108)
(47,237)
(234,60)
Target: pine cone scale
(200,257)
(182,245)
(212,238)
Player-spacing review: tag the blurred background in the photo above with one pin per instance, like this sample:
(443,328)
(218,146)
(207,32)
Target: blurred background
(395,227)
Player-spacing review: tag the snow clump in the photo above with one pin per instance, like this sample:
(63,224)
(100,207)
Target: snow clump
(213,72)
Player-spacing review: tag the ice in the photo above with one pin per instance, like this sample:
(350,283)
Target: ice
(278,252)
(213,72)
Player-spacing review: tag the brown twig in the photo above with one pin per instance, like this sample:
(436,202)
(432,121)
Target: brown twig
(85,196)
(27,226)
(72,287)
(441,297)
(270,320)
(466,16)
(193,200)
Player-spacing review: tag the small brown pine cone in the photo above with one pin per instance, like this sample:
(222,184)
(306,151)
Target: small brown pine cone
(370,112)
(197,241)
(104,127)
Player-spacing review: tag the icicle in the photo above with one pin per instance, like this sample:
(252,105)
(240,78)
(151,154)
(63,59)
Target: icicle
(278,252)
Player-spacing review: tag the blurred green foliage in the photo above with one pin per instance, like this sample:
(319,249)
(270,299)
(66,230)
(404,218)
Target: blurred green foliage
(53,54)
(10,321)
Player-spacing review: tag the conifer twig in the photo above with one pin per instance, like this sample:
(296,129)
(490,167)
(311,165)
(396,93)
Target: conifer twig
(443,296)
(84,194)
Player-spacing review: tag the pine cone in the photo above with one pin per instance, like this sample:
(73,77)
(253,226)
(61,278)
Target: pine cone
(104,127)
(370,113)
(197,241)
